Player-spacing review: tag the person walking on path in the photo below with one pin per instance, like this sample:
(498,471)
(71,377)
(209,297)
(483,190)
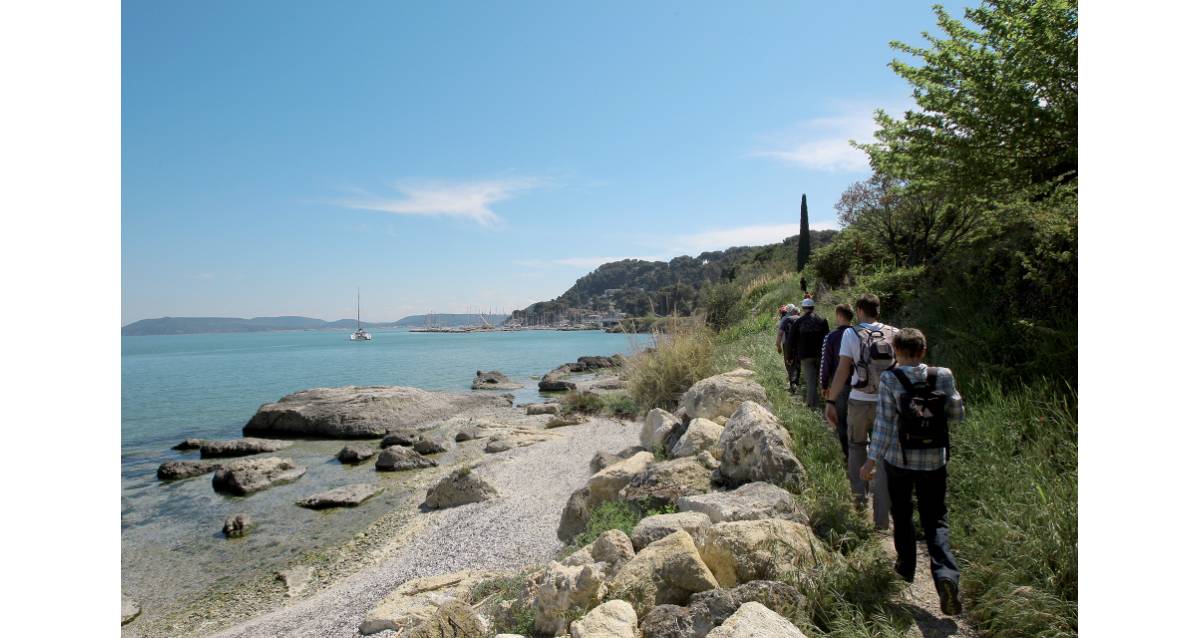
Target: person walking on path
(865,352)
(911,440)
(804,341)
(787,316)
(843,314)
(803,285)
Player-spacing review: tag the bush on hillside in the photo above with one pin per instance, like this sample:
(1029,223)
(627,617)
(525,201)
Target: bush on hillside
(848,256)
(657,377)
(720,303)
(582,402)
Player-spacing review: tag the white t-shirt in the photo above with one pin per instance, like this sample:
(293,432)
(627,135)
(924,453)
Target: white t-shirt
(850,346)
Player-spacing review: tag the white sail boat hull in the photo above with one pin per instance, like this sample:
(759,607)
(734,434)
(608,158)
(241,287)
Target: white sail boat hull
(359,334)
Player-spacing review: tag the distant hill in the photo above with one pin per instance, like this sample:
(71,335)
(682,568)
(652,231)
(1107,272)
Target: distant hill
(638,287)
(199,325)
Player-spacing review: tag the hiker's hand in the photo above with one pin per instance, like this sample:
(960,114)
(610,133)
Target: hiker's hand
(831,415)
(778,348)
(867,472)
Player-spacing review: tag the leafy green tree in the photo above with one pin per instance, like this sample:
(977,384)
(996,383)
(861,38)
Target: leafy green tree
(915,227)
(804,246)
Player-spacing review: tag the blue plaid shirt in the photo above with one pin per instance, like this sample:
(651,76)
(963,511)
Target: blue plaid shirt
(884,442)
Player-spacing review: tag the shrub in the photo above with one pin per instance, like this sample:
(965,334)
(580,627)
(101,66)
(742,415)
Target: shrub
(657,377)
(503,600)
(608,515)
(720,302)
(620,405)
(582,402)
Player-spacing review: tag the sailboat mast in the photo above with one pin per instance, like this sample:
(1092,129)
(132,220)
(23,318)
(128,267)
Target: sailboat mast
(358,317)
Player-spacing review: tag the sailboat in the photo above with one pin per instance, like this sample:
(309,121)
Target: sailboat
(359,334)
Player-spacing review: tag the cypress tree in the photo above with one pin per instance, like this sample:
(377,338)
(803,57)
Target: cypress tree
(802,247)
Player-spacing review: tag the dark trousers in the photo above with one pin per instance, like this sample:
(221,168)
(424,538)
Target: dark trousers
(793,371)
(930,486)
(842,404)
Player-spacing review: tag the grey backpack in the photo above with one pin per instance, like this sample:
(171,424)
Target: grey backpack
(875,355)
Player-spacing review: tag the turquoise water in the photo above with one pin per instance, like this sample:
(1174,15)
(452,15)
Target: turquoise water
(207,386)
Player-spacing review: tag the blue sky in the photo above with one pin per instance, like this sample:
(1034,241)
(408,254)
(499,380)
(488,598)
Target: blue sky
(466,155)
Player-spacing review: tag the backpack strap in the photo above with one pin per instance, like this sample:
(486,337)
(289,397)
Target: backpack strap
(903,379)
(931,375)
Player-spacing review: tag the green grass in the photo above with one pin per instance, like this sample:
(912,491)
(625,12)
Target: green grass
(576,402)
(1012,498)
(656,379)
(620,405)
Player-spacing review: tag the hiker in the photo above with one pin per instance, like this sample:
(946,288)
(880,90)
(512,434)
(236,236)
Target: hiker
(804,343)
(843,314)
(785,324)
(803,285)
(865,352)
(911,439)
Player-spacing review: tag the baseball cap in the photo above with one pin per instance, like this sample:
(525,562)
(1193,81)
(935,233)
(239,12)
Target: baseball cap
(808,303)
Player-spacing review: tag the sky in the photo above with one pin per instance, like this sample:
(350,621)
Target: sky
(466,156)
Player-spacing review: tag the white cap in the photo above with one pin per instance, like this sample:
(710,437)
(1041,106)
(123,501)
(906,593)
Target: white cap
(808,303)
(790,307)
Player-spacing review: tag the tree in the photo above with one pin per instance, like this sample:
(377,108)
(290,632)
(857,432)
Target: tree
(804,246)
(914,226)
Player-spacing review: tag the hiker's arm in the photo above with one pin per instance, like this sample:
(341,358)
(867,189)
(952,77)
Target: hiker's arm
(954,403)
(845,366)
(883,432)
(779,340)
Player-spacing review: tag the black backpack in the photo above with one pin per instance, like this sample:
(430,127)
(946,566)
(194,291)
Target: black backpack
(923,423)
(805,335)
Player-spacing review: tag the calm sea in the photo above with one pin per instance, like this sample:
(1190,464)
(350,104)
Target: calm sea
(207,386)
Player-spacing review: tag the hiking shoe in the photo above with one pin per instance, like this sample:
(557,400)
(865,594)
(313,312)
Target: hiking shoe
(948,594)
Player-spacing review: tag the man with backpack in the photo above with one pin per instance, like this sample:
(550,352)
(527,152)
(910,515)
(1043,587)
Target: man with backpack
(865,353)
(830,346)
(804,344)
(788,315)
(911,440)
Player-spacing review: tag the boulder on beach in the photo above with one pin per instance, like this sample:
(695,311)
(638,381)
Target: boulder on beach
(405,436)
(344,496)
(756,447)
(720,395)
(668,570)
(702,435)
(459,488)
(541,408)
(429,445)
(296,579)
(129,609)
(708,610)
(769,549)
(601,460)
(247,476)
(469,433)
(749,502)
(493,380)
(652,528)
(753,620)
(399,458)
(661,483)
(453,619)
(555,382)
(604,485)
(655,428)
(613,619)
(563,420)
(175,470)
(612,547)
(558,591)
(240,447)
(236,525)
(413,603)
(360,412)
(355,453)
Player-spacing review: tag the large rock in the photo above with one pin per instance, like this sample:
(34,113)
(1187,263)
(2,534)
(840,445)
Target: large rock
(755,447)
(188,444)
(236,525)
(555,382)
(399,458)
(455,619)
(240,447)
(667,571)
(559,590)
(753,620)
(404,436)
(459,488)
(741,551)
(493,380)
(360,412)
(541,408)
(663,482)
(613,619)
(601,460)
(415,602)
(247,476)
(711,608)
(721,395)
(468,433)
(129,609)
(355,453)
(656,427)
(612,547)
(702,435)
(749,502)
(430,445)
(175,470)
(604,485)
(344,496)
(659,526)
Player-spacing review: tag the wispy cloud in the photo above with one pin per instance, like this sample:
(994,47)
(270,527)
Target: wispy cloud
(469,200)
(823,143)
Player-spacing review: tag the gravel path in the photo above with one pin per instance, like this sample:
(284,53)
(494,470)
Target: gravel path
(515,530)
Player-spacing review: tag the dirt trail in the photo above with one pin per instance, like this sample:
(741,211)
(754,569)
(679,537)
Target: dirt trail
(921,600)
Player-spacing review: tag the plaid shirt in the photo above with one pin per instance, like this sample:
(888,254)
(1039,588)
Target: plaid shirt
(884,442)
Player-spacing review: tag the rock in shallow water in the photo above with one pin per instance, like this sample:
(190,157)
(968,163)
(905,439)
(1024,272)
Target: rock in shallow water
(296,579)
(236,526)
(405,437)
(188,444)
(175,470)
(399,458)
(355,412)
(493,380)
(246,476)
(429,446)
(355,453)
(240,447)
(345,496)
